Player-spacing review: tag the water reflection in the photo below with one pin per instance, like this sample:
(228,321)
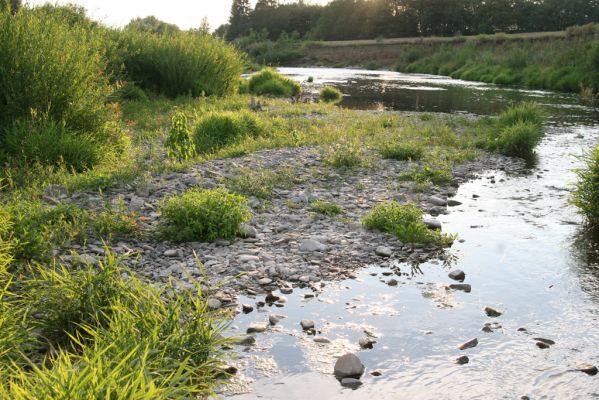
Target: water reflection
(585,263)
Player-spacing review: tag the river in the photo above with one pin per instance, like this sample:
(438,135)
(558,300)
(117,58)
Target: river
(523,251)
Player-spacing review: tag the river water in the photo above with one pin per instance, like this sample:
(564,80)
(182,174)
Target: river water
(523,251)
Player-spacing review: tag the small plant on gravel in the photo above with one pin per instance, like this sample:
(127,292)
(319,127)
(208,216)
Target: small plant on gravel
(220,129)
(326,208)
(347,154)
(204,215)
(441,175)
(179,143)
(396,150)
(261,182)
(329,94)
(405,222)
(586,193)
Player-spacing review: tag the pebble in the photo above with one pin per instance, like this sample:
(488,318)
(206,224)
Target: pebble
(383,251)
(464,287)
(275,318)
(350,382)
(457,275)
(322,340)
(587,368)
(438,201)
(348,366)
(247,340)
(491,312)
(311,245)
(214,303)
(307,324)
(461,360)
(453,203)
(271,298)
(366,343)
(256,328)
(432,223)
(246,308)
(376,373)
(171,253)
(392,282)
(548,342)
(469,344)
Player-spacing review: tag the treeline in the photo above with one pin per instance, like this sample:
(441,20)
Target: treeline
(369,19)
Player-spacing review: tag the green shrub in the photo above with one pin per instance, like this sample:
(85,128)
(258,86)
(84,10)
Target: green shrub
(581,30)
(270,82)
(204,215)
(51,143)
(260,182)
(405,222)
(393,149)
(430,174)
(586,194)
(5,245)
(129,91)
(346,154)
(310,79)
(326,208)
(329,94)
(220,129)
(519,139)
(179,143)
(181,63)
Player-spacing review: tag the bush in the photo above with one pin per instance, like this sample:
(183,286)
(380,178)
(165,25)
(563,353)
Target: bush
(204,215)
(519,139)
(400,151)
(181,63)
(220,129)
(405,222)
(269,82)
(523,112)
(179,144)
(586,193)
(346,154)
(326,208)
(260,182)
(428,174)
(329,94)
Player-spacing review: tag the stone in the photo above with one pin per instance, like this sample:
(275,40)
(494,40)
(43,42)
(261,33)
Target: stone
(230,370)
(461,360)
(247,231)
(350,382)
(311,245)
(438,201)
(376,373)
(307,324)
(469,344)
(246,340)
(453,203)
(247,308)
(383,251)
(548,342)
(274,319)
(457,275)
(491,312)
(136,203)
(257,327)
(464,287)
(432,223)
(265,281)
(171,253)
(348,366)
(214,303)
(271,298)
(542,345)
(321,340)
(366,343)
(587,368)
(286,290)
(56,191)
(246,258)
(392,282)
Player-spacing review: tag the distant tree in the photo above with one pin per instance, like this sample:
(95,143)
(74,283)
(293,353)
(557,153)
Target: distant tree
(221,31)
(262,4)
(153,25)
(11,5)
(239,21)
(204,26)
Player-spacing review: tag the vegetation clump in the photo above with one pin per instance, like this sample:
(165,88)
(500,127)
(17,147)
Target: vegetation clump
(586,194)
(260,183)
(179,143)
(270,82)
(405,222)
(329,94)
(219,129)
(396,150)
(326,208)
(347,154)
(429,174)
(204,215)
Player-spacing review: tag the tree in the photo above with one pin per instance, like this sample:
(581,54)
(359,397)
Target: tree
(11,5)
(239,19)
(262,4)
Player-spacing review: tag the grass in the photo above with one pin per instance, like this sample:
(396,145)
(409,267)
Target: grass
(347,154)
(586,194)
(430,175)
(396,150)
(326,208)
(203,215)
(405,222)
(219,129)
(329,94)
(269,82)
(261,182)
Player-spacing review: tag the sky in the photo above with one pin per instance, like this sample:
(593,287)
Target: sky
(185,13)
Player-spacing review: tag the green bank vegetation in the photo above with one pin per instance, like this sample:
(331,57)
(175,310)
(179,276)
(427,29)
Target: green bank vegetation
(586,194)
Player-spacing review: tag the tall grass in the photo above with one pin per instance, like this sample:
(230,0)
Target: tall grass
(586,194)
(269,82)
(219,129)
(182,63)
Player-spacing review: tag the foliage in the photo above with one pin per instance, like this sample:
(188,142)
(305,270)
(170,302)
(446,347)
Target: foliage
(204,215)
(329,94)
(269,82)
(326,208)
(395,149)
(264,51)
(260,182)
(183,63)
(219,129)
(405,222)
(347,154)
(427,174)
(586,194)
(179,143)
(5,244)
(520,139)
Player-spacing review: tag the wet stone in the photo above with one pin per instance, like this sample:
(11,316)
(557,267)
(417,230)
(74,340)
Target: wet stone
(392,282)
(256,328)
(307,324)
(542,345)
(247,340)
(438,201)
(271,298)
(548,342)
(461,360)
(491,312)
(349,366)
(457,275)
(274,319)
(322,340)
(351,382)
(587,368)
(366,343)
(432,223)
(464,287)
(469,344)
(246,308)
(376,373)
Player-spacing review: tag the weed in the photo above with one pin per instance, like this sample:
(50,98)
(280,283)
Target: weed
(269,82)
(329,94)
(393,149)
(586,194)
(428,174)
(179,144)
(347,154)
(204,215)
(217,130)
(326,208)
(260,182)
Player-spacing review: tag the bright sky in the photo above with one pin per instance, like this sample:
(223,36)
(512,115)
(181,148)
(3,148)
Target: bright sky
(185,13)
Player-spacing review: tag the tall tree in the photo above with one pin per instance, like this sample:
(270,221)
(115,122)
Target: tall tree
(239,19)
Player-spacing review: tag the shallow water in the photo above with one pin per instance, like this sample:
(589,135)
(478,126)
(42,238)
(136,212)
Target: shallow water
(523,252)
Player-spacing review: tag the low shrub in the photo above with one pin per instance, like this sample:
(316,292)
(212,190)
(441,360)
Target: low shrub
(346,154)
(220,129)
(270,82)
(428,174)
(405,222)
(179,143)
(396,150)
(586,194)
(522,112)
(329,94)
(260,182)
(519,139)
(326,208)
(582,30)
(204,215)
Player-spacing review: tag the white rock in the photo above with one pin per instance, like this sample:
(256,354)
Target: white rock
(307,324)
(312,245)
(257,327)
(171,253)
(383,251)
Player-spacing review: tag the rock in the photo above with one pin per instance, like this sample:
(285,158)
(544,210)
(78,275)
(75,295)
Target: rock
(383,251)
(311,245)
(136,203)
(307,324)
(246,308)
(392,282)
(587,368)
(348,366)
(376,373)
(461,360)
(286,290)
(542,345)
(322,340)
(271,298)
(230,370)
(309,296)
(171,253)
(214,303)
(464,287)
(438,201)
(487,329)
(453,203)
(247,231)
(491,312)
(351,382)
(275,318)
(366,343)
(246,258)
(432,223)
(247,340)
(257,327)
(85,259)
(469,344)
(457,275)
(265,281)
(548,342)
